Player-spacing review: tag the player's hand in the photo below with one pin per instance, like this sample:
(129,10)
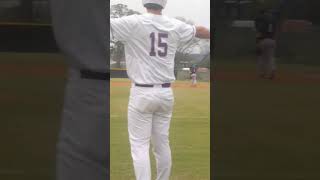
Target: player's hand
(202,32)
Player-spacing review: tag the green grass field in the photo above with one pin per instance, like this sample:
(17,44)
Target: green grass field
(262,130)
(31,97)
(266,130)
(189,132)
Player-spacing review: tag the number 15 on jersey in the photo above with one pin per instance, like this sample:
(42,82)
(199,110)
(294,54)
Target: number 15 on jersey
(162,46)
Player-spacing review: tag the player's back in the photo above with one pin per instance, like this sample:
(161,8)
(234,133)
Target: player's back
(151,42)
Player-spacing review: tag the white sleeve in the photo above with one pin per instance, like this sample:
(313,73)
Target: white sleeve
(121,29)
(187,33)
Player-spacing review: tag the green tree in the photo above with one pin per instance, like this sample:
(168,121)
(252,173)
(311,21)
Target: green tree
(117,48)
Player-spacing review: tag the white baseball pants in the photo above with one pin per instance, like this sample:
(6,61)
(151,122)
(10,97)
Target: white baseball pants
(266,62)
(149,116)
(194,79)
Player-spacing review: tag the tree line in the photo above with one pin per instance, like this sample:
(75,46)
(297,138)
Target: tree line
(292,9)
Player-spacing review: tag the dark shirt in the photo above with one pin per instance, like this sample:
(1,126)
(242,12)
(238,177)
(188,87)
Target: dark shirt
(265,26)
(193,69)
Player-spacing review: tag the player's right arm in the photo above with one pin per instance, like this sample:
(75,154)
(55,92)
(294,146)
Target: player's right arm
(202,32)
(121,29)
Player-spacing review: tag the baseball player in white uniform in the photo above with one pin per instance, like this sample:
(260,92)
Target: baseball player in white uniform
(151,41)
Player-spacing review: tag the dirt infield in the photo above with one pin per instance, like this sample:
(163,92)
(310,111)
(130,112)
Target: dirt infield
(32,70)
(281,77)
(42,70)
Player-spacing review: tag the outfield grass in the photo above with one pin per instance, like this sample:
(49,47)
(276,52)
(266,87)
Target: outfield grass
(266,130)
(189,133)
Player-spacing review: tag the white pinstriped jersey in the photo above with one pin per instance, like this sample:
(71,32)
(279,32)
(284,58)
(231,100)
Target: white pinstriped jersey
(151,42)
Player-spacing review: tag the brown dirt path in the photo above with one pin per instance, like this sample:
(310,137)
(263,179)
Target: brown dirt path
(32,70)
(281,77)
(43,70)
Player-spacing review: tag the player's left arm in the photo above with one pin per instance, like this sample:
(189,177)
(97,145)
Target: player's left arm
(202,32)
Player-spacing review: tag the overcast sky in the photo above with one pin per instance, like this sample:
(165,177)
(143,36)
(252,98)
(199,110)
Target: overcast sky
(196,10)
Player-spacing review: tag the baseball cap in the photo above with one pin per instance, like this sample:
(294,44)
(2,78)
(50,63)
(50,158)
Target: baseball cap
(162,3)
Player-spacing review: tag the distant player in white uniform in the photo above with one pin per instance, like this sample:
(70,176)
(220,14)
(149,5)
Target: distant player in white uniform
(193,75)
(151,41)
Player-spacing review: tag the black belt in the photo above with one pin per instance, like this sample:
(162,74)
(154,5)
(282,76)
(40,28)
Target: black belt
(88,74)
(165,85)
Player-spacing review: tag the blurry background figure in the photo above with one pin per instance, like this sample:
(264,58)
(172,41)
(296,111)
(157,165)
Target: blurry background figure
(193,75)
(80,29)
(257,122)
(265,38)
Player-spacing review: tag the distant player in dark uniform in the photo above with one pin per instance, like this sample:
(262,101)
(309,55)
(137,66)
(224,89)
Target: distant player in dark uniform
(265,25)
(193,75)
